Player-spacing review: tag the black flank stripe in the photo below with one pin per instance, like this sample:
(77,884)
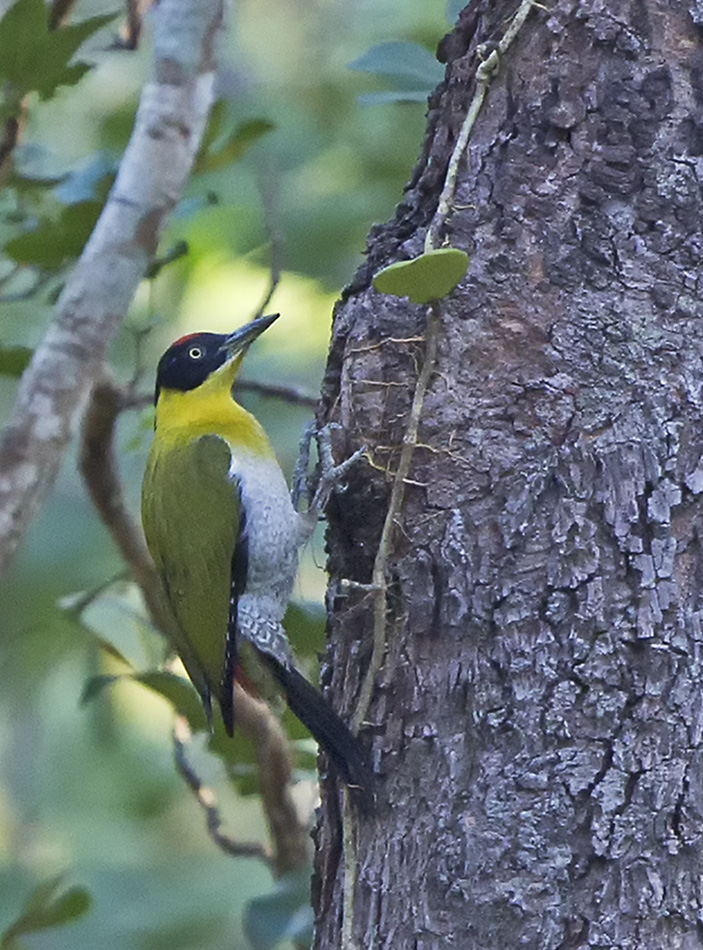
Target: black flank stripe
(238,583)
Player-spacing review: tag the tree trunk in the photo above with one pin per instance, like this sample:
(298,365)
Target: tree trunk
(537,726)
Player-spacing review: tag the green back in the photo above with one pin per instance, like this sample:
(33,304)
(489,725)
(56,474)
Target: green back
(190,512)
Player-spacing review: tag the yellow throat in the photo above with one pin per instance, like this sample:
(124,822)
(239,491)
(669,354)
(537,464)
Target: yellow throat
(210,409)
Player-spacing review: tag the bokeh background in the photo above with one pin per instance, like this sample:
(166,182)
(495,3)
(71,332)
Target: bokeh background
(89,791)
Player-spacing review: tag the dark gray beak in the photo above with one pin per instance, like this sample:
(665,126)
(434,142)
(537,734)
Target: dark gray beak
(241,339)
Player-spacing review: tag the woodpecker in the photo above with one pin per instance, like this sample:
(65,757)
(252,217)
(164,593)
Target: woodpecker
(224,535)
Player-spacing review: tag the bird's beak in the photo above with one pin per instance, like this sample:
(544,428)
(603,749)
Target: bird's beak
(238,342)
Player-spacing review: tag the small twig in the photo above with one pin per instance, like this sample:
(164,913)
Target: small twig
(59,12)
(11,132)
(274,762)
(85,599)
(484,74)
(384,342)
(206,799)
(289,394)
(132,30)
(136,400)
(174,253)
(267,190)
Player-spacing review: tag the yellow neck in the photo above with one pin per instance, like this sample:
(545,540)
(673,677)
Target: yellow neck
(211,410)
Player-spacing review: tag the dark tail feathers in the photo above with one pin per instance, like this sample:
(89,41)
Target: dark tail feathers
(313,710)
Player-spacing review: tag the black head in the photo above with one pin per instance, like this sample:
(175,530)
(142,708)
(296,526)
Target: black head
(189,361)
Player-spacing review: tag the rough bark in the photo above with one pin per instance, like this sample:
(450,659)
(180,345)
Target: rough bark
(173,110)
(537,726)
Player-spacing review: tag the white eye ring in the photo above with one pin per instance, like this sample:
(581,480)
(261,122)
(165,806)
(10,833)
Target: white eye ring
(195,352)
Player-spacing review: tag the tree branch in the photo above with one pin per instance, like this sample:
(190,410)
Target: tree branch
(206,799)
(273,758)
(9,139)
(290,394)
(132,29)
(59,12)
(98,466)
(267,191)
(168,130)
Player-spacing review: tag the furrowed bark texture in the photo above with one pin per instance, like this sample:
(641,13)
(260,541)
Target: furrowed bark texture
(538,723)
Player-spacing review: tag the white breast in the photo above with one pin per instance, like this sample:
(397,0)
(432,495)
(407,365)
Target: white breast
(274,530)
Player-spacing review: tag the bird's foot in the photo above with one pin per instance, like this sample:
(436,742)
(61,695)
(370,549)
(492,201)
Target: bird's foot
(301,488)
(331,473)
(318,487)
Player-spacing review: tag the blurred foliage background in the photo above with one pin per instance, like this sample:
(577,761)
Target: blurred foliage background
(89,792)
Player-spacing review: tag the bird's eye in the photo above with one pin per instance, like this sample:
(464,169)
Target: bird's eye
(195,352)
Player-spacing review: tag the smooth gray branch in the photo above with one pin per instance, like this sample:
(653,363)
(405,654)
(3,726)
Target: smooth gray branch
(170,121)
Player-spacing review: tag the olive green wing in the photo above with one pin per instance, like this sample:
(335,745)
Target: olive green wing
(193,522)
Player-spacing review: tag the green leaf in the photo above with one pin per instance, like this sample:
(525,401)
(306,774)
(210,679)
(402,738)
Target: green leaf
(47,907)
(215,124)
(95,686)
(14,360)
(238,753)
(305,626)
(90,181)
(174,253)
(112,616)
(409,63)
(179,692)
(54,243)
(392,95)
(36,59)
(22,30)
(235,145)
(285,914)
(175,689)
(110,649)
(430,276)
(26,182)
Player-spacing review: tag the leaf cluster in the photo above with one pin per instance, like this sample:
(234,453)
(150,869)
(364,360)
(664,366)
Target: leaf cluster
(34,58)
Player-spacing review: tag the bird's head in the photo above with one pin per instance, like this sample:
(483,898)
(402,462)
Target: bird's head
(194,359)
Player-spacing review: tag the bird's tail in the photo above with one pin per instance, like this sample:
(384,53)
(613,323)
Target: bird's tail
(316,714)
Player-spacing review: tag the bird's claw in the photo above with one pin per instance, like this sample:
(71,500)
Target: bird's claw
(329,473)
(301,478)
